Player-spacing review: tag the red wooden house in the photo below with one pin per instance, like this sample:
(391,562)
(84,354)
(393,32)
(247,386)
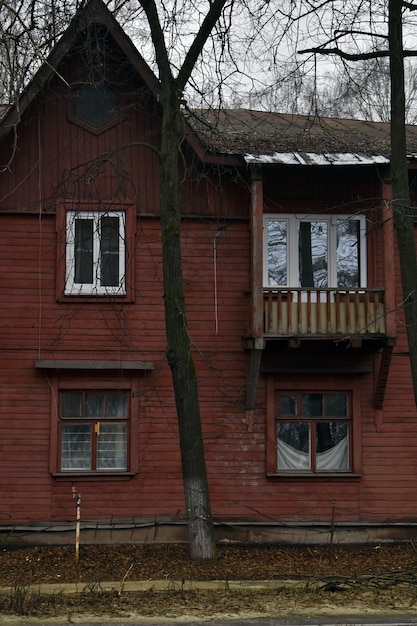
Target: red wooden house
(293,298)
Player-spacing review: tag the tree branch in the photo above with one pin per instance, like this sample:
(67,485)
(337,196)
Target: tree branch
(216,7)
(162,59)
(363,56)
(342,33)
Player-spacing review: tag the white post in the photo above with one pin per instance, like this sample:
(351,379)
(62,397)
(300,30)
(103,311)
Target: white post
(77,529)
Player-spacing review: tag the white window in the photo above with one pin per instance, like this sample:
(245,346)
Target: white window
(94,430)
(314,251)
(95,253)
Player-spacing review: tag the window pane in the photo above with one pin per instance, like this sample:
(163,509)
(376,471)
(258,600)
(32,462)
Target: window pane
(83,251)
(109,251)
(312,405)
(72,404)
(336,405)
(293,446)
(347,253)
(116,405)
(111,446)
(313,251)
(96,105)
(332,446)
(94,404)
(288,406)
(76,447)
(277,252)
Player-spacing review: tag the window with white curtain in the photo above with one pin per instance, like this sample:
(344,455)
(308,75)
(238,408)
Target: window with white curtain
(94,430)
(313,431)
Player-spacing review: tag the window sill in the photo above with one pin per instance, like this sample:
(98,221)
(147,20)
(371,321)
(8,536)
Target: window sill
(84,476)
(315,476)
(93,298)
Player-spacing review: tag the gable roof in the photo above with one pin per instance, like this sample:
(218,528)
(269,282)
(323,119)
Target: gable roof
(94,12)
(228,135)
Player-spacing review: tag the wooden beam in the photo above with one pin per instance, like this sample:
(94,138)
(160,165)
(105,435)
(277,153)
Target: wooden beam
(256,226)
(389,269)
(92,364)
(382,377)
(253,378)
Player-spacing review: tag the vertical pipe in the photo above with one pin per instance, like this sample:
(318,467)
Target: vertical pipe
(77,529)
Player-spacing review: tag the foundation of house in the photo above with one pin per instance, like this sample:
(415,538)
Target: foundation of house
(243,533)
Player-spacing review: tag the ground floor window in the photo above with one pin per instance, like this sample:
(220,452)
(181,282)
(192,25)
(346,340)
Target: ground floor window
(311,430)
(94,430)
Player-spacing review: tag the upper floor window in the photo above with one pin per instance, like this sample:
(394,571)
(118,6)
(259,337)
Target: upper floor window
(95,253)
(314,251)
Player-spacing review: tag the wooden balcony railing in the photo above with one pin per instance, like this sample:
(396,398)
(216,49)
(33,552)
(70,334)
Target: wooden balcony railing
(323,312)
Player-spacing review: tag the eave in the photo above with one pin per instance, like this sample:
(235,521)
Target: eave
(320,159)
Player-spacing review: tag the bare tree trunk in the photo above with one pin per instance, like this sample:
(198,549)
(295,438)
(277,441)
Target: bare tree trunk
(179,351)
(403,212)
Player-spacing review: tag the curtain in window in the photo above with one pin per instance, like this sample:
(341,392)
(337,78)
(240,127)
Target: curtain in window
(111,446)
(334,459)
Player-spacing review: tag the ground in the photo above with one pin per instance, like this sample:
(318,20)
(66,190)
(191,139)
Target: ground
(298,580)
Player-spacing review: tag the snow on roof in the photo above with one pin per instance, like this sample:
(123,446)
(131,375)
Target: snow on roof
(310,158)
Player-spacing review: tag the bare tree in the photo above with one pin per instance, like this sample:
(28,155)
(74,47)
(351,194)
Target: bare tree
(191,47)
(362,90)
(362,33)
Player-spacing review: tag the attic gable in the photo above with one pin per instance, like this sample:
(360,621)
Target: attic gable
(94,18)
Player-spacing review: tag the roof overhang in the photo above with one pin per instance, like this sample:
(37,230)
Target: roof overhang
(311,158)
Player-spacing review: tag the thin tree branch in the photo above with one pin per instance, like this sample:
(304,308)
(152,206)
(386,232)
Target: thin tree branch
(342,33)
(409,6)
(363,56)
(200,39)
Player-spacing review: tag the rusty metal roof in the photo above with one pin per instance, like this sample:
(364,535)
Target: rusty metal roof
(265,137)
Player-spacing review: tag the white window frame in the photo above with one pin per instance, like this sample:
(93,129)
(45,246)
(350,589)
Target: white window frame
(73,288)
(292,221)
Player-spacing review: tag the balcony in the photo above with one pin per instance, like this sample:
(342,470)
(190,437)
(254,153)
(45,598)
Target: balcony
(323,313)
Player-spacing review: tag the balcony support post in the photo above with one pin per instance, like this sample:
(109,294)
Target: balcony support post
(382,374)
(256,227)
(257,301)
(389,275)
(253,378)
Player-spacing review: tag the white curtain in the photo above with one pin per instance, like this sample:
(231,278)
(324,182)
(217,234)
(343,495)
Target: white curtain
(334,459)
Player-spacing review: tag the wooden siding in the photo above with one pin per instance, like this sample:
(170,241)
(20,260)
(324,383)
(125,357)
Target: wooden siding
(240,489)
(313,186)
